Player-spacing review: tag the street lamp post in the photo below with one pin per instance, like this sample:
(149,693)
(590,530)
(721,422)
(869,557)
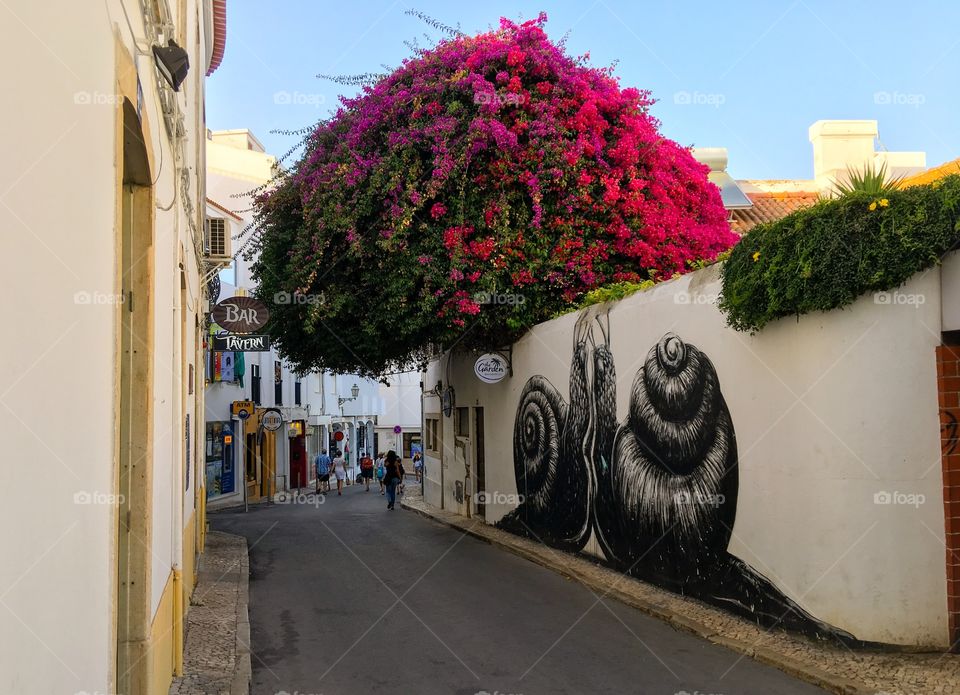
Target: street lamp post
(354,392)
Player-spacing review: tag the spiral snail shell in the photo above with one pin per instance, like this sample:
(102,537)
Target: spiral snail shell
(672,481)
(658,492)
(549,461)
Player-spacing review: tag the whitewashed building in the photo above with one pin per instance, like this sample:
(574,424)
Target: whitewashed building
(320,411)
(400,426)
(102,208)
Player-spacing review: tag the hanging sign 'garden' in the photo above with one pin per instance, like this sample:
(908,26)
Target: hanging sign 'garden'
(490,368)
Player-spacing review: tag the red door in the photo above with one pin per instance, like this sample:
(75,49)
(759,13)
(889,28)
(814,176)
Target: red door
(298,461)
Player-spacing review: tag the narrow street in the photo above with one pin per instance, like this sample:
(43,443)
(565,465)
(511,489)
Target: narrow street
(346,597)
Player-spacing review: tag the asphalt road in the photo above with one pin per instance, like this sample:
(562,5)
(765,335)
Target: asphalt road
(347,597)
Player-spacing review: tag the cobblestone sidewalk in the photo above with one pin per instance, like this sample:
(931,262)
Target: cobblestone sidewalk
(835,669)
(216,659)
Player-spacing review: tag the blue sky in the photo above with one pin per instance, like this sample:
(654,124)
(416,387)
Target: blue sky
(749,75)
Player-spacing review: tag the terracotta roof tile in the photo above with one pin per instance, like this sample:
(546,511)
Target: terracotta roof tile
(219,207)
(768,207)
(219,34)
(934,174)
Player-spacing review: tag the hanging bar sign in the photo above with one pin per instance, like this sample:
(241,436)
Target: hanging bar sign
(241,343)
(241,314)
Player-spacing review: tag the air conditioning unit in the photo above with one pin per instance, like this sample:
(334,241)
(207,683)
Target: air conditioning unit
(217,246)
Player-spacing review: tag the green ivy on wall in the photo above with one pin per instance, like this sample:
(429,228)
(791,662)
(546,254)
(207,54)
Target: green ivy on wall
(826,256)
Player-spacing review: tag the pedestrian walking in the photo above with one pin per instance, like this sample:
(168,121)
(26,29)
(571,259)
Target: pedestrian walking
(403,475)
(322,462)
(339,470)
(418,466)
(366,470)
(380,471)
(392,477)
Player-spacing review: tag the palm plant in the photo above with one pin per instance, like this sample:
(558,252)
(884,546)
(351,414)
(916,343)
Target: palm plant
(871,179)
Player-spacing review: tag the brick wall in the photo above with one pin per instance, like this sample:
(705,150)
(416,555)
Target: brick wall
(948,387)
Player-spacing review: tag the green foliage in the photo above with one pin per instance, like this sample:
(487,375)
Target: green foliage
(702,263)
(869,180)
(613,292)
(825,256)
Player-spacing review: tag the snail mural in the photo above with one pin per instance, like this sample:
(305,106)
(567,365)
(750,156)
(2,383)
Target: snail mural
(657,491)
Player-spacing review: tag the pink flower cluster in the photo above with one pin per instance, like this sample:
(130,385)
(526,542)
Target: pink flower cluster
(496,160)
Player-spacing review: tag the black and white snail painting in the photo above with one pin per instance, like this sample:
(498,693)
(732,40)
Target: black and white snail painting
(657,491)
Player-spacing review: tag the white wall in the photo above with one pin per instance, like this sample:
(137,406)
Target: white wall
(401,401)
(828,411)
(58,405)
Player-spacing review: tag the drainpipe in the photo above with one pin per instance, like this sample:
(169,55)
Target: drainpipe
(323,393)
(177,488)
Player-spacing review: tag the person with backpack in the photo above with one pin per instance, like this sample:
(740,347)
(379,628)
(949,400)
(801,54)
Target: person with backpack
(366,470)
(380,471)
(391,477)
(322,462)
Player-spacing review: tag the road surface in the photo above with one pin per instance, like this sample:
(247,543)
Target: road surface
(347,597)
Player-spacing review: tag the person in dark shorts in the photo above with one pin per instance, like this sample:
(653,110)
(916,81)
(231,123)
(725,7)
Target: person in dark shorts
(322,463)
(366,470)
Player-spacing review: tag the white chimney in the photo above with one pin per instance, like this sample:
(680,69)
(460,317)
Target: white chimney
(839,145)
(842,145)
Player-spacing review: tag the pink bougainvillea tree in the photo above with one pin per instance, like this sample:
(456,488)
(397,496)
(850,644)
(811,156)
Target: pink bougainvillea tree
(485,185)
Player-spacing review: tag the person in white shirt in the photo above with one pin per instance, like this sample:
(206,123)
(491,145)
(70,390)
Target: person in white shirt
(339,470)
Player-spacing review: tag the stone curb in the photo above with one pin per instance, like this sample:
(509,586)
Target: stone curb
(766,655)
(243,670)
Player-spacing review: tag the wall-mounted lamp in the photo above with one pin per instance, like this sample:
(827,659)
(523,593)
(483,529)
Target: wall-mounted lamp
(173,63)
(354,392)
